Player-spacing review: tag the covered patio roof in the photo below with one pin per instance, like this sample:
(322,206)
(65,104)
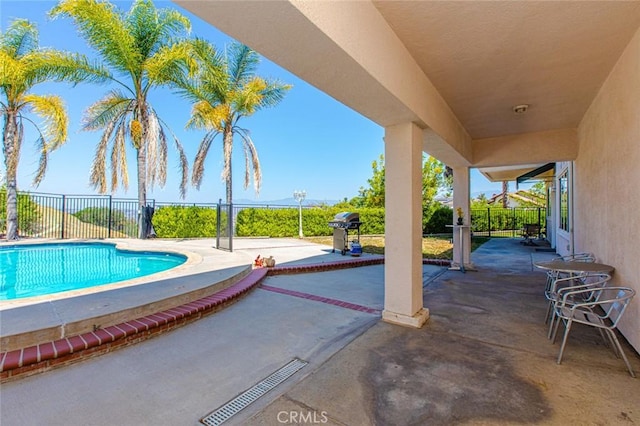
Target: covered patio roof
(457,69)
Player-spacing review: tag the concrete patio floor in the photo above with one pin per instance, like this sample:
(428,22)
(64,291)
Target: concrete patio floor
(483,357)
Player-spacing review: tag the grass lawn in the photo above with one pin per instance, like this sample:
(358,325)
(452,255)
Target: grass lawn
(432,247)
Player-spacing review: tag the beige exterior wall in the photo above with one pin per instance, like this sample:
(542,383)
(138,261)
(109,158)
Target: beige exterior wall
(607,180)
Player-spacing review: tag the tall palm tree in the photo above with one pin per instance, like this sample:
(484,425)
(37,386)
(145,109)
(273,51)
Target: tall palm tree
(224,90)
(143,46)
(23,64)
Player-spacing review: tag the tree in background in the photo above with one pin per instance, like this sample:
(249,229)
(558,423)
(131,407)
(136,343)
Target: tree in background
(144,47)
(372,196)
(225,90)
(23,65)
(434,180)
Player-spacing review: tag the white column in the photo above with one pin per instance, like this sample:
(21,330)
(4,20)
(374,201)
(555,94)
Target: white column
(403,226)
(461,199)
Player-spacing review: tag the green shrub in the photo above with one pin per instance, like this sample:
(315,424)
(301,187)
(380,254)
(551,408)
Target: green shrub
(185,222)
(28,213)
(254,222)
(436,224)
(100,216)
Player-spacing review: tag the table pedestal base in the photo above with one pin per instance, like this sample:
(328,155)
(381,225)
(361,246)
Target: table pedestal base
(462,268)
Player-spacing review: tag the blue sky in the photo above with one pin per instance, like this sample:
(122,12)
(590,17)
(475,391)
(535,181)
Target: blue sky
(309,141)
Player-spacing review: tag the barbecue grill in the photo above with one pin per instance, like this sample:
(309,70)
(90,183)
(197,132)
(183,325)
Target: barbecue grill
(342,223)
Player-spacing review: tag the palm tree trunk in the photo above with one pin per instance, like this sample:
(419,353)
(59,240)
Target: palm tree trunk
(227,145)
(142,171)
(505,194)
(11,148)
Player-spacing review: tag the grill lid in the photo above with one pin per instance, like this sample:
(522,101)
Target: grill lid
(347,217)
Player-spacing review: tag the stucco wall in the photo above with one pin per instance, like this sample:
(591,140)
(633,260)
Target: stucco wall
(607,180)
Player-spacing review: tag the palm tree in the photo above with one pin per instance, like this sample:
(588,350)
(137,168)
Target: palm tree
(224,90)
(23,64)
(144,47)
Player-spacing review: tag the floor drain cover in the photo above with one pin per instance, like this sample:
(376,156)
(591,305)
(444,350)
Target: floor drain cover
(249,396)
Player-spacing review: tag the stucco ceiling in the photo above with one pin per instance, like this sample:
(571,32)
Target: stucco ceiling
(485,57)
(455,68)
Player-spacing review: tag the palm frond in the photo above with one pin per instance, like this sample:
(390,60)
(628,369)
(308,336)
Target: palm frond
(274,93)
(118,159)
(249,97)
(20,38)
(98,176)
(113,106)
(161,171)
(171,64)
(252,162)
(153,143)
(54,115)
(153,28)
(46,65)
(183,163)
(198,162)
(104,29)
(242,63)
(207,117)
(44,159)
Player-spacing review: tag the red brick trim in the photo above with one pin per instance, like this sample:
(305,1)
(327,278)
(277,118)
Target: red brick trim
(48,355)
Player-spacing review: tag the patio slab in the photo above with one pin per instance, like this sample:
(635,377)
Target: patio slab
(483,358)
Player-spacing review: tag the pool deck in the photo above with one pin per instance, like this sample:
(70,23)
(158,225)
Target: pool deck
(483,358)
(41,333)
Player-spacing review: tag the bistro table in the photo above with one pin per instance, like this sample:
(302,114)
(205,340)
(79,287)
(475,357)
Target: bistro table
(573,267)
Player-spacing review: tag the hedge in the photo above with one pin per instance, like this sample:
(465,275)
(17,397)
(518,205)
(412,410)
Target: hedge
(185,222)
(315,221)
(199,222)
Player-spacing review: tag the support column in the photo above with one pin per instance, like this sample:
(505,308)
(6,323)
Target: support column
(461,199)
(403,226)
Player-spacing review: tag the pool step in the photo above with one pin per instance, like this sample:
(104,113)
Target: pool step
(44,356)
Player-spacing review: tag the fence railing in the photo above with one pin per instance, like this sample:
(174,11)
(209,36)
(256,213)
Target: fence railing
(74,216)
(103,216)
(509,222)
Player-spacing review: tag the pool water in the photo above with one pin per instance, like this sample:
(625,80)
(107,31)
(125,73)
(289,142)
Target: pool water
(39,269)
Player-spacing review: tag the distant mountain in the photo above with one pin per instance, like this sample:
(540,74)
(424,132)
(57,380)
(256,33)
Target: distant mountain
(284,202)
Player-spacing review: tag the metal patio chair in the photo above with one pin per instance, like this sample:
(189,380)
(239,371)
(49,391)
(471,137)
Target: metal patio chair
(593,282)
(554,275)
(601,314)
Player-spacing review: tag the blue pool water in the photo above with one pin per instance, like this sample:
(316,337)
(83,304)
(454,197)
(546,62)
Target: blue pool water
(39,269)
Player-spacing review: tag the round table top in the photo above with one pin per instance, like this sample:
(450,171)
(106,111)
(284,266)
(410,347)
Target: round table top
(573,266)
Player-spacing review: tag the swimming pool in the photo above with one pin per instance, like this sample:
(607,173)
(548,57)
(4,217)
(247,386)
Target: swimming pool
(40,269)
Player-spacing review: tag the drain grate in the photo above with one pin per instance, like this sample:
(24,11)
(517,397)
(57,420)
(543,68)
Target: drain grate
(249,396)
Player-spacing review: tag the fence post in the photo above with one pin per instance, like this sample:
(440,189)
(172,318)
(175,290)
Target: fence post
(489,220)
(218,211)
(64,201)
(110,217)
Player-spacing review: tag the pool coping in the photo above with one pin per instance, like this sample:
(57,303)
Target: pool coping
(52,354)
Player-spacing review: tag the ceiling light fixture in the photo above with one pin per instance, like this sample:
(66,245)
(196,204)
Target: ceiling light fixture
(520,109)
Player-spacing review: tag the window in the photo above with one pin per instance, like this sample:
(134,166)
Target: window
(563,183)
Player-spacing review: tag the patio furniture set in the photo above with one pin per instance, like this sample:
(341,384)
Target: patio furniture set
(577,292)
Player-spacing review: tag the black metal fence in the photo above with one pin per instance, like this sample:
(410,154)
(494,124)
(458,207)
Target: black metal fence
(509,222)
(103,216)
(73,216)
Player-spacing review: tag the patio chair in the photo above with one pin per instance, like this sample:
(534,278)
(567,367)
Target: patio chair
(602,314)
(561,286)
(554,275)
